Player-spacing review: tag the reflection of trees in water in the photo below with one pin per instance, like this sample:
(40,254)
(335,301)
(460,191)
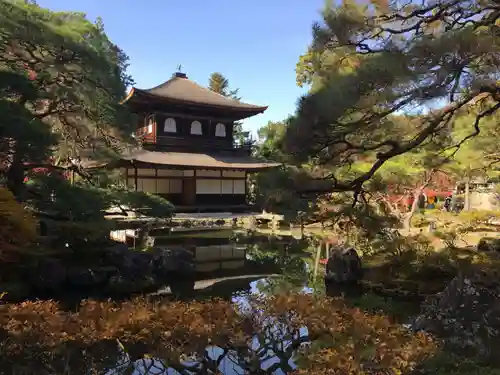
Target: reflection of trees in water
(272,349)
(288,262)
(261,336)
(264,334)
(262,345)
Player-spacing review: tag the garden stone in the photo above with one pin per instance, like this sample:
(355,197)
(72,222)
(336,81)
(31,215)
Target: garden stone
(466,315)
(120,285)
(344,267)
(172,260)
(182,287)
(116,255)
(139,263)
(489,244)
(129,262)
(15,291)
(90,277)
(49,275)
(176,268)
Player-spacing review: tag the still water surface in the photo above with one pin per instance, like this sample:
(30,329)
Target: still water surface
(234,271)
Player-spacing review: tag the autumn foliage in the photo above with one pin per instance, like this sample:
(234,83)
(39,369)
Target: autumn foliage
(17,225)
(100,335)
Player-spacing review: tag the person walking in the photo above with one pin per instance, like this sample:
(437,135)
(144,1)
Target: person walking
(447,203)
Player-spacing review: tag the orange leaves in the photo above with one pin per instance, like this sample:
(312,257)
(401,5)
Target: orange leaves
(361,340)
(345,340)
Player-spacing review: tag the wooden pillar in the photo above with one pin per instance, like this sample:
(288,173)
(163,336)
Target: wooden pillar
(316,260)
(156,180)
(135,178)
(247,193)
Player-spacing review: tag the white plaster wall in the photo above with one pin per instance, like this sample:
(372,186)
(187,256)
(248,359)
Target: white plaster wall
(483,201)
(234,174)
(143,172)
(170,186)
(239,186)
(208,186)
(227,187)
(146,185)
(163,186)
(207,173)
(170,172)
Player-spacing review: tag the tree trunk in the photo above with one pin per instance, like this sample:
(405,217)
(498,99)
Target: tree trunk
(15,175)
(416,193)
(467,195)
(316,260)
(409,215)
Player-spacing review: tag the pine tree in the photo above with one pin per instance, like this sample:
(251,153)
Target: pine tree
(364,67)
(220,84)
(61,81)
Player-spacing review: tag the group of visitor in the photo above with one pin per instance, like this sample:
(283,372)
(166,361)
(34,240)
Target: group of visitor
(430,201)
(452,205)
(424,202)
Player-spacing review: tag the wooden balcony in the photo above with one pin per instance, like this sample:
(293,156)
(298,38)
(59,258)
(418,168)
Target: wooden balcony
(195,144)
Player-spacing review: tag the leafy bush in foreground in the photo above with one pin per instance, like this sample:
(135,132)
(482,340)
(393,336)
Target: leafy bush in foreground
(42,336)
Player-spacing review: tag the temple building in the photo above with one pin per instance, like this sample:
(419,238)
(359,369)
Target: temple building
(188,154)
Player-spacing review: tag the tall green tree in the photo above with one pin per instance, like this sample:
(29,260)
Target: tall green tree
(220,84)
(369,61)
(61,81)
(270,141)
(478,156)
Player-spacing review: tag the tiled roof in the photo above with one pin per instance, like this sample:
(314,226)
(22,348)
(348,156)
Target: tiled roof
(199,160)
(181,89)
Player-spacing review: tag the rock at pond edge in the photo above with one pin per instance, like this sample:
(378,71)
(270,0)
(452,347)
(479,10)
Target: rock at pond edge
(466,315)
(344,267)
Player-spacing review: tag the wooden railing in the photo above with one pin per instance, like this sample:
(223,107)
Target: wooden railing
(197,144)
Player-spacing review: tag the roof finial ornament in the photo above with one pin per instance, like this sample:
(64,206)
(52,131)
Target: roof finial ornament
(179,73)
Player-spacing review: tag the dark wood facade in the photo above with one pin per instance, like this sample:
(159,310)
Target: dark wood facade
(188,154)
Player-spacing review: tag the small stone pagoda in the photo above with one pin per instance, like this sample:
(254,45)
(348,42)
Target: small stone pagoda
(188,154)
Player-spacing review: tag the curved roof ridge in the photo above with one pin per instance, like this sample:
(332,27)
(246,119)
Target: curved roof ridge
(184,90)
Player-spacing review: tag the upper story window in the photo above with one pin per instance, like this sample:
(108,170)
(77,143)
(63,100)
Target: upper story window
(150,121)
(220,130)
(170,126)
(196,128)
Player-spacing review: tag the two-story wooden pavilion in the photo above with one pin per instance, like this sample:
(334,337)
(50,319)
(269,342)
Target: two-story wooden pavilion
(187,152)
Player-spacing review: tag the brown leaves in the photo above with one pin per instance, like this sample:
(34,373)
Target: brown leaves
(350,339)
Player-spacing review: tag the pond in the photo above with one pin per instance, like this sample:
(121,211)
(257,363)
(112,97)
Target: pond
(236,267)
(228,263)
(238,270)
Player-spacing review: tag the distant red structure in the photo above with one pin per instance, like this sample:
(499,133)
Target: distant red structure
(440,187)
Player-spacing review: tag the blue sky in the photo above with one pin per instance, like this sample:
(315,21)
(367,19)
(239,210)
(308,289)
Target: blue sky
(255,44)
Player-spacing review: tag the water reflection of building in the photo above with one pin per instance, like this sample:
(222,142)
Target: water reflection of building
(222,267)
(219,257)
